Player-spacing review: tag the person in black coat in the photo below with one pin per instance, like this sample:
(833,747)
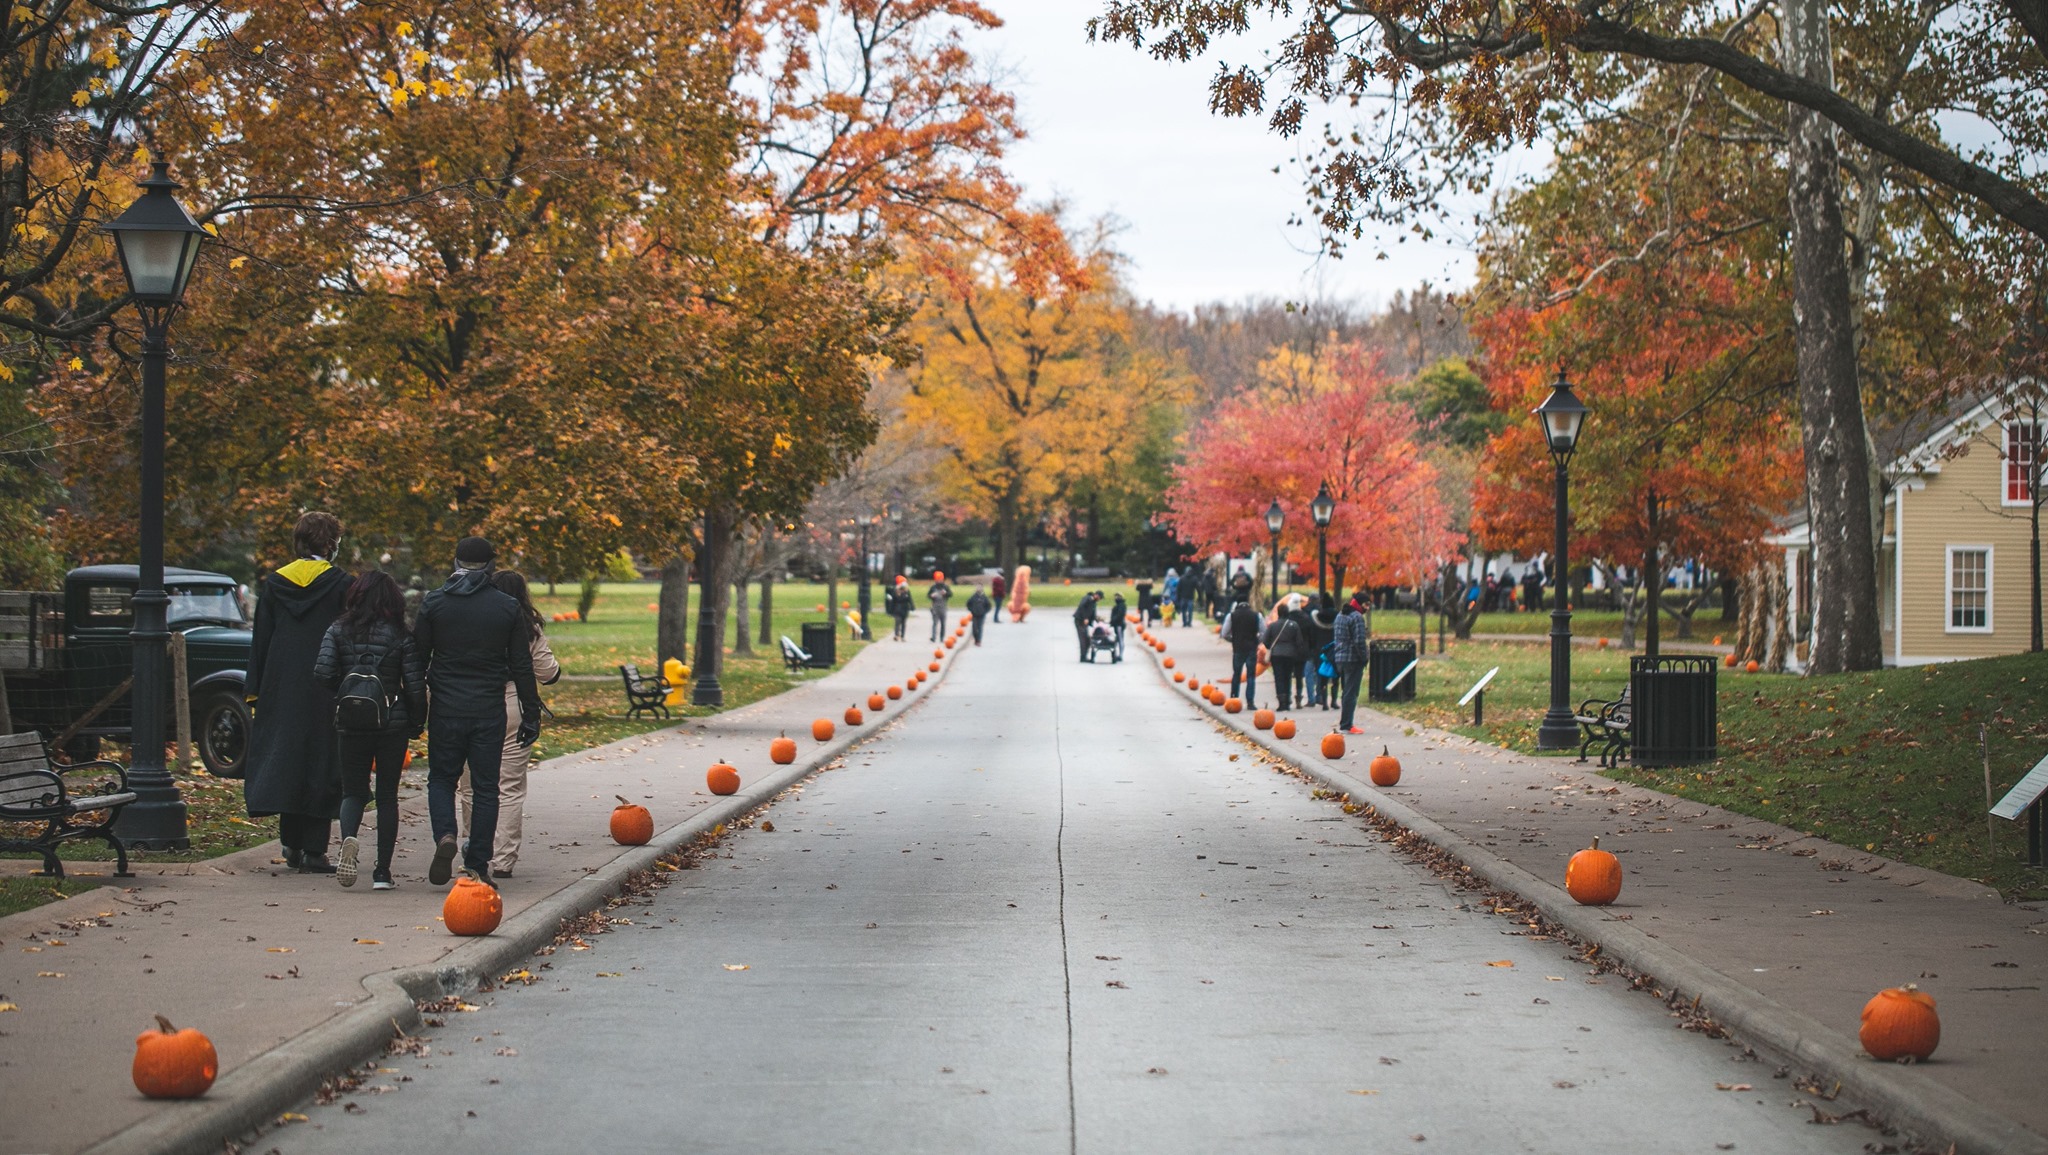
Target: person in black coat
(978,607)
(293,769)
(370,638)
(473,639)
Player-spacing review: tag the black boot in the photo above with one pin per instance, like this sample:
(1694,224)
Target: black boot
(314,864)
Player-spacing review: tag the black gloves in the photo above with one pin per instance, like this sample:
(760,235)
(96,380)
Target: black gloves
(529,731)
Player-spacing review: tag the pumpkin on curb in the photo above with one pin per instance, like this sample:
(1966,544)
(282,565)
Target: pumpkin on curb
(1179,677)
(722,779)
(172,1063)
(938,653)
(1168,663)
(632,824)
(1593,876)
(1233,706)
(782,751)
(472,908)
(1262,719)
(877,703)
(895,692)
(822,730)
(1899,1022)
(934,667)
(1386,769)
(1333,745)
(1284,729)
(951,640)
(853,716)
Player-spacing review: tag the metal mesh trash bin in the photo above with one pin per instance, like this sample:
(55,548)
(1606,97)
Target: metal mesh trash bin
(818,640)
(1675,718)
(1384,659)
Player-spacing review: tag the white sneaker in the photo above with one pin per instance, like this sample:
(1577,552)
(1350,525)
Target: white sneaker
(345,870)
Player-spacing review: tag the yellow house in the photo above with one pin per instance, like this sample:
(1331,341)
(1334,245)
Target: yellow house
(1954,572)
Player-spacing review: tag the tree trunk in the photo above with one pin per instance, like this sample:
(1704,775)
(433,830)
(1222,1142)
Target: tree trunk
(1845,621)
(1653,583)
(672,618)
(1731,598)
(712,562)
(768,609)
(742,639)
(1008,514)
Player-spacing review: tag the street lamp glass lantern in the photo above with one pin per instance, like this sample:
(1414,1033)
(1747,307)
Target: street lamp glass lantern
(1275,516)
(1324,507)
(1563,416)
(158,241)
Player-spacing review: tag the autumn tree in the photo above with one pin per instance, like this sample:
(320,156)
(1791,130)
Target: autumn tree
(1355,434)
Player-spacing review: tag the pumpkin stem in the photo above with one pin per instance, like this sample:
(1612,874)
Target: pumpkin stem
(1386,753)
(163,1024)
(1596,842)
(623,800)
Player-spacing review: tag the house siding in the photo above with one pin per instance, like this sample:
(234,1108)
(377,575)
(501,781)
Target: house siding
(1960,507)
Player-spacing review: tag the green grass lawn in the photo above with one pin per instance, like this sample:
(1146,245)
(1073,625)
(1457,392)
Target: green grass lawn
(1887,761)
(19,894)
(586,713)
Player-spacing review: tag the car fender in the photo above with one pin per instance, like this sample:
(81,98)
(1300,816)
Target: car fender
(235,680)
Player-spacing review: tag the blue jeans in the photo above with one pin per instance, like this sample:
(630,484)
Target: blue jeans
(1186,608)
(1246,665)
(479,744)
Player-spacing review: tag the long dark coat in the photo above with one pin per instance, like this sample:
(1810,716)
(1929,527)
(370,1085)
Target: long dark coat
(293,765)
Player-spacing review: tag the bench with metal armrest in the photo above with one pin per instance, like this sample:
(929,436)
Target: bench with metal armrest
(1608,723)
(34,791)
(644,694)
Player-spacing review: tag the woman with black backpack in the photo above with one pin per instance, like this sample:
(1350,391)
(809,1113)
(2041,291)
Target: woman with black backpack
(380,704)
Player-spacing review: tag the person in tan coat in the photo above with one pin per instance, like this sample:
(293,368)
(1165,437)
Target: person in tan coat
(518,759)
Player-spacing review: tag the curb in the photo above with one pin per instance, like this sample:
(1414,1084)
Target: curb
(255,1092)
(1916,1106)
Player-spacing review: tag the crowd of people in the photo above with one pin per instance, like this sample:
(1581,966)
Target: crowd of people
(347,670)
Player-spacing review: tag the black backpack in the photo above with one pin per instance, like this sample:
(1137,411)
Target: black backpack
(360,706)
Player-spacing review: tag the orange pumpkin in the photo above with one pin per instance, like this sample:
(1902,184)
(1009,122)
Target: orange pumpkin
(938,653)
(1168,663)
(1751,666)
(1215,696)
(1717,639)
(934,667)
(782,751)
(951,640)
(821,730)
(1729,661)
(854,716)
(722,779)
(877,703)
(895,692)
(1900,1022)
(174,1064)
(632,825)
(1385,769)
(472,908)
(1234,706)
(1283,729)
(1160,646)
(1593,876)
(1333,745)
(1263,667)
(1179,677)
(1262,719)
(1601,644)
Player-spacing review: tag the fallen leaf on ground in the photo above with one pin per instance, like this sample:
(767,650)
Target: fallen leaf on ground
(49,974)
(1506,962)
(1564,1084)
(1361,1092)
(369,942)
(1733,1087)
(608,974)
(6,1007)
(737,966)
(291,1117)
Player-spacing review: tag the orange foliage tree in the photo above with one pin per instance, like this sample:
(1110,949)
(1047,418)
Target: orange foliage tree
(1352,431)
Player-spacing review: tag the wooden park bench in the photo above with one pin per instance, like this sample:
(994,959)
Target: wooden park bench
(644,695)
(794,657)
(33,792)
(1609,724)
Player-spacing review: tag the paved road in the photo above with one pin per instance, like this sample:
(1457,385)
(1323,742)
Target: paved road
(1048,912)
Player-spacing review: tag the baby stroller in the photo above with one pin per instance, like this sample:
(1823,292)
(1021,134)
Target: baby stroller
(1103,640)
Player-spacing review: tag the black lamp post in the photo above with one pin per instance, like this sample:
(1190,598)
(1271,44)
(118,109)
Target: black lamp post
(1275,518)
(158,242)
(866,596)
(1322,509)
(706,689)
(1563,415)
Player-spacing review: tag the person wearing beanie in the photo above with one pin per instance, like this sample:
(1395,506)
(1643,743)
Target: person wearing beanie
(473,639)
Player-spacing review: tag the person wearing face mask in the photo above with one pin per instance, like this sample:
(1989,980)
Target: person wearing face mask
(293,768)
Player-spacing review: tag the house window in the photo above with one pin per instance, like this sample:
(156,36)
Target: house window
(2022,458)
(1969,589)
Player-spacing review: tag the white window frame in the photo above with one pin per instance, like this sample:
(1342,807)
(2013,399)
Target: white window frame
(2005,463)
(1948,589)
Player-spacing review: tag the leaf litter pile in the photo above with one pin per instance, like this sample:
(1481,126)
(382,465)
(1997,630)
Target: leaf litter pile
(1530,924)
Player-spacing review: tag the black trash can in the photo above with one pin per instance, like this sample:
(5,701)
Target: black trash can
(818,640)
(1675,719)
(1384,659)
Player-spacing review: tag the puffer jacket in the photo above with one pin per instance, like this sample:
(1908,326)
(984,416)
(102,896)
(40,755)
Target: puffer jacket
(389,651)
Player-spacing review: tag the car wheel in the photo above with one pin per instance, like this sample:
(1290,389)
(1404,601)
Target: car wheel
(81,748)
(221,727)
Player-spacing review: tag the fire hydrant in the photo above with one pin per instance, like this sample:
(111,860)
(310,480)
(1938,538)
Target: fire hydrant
(677,675)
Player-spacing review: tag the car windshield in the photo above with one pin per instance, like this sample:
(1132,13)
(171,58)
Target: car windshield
(205,603)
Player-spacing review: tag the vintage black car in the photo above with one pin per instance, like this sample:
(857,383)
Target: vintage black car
(67,656)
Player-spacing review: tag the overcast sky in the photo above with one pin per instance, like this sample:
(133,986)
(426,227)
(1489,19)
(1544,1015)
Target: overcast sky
(1113,131)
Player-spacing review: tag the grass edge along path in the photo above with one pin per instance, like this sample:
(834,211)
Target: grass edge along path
(1886,760)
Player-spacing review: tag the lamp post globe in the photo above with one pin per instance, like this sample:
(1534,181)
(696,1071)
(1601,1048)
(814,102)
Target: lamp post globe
(158,243)
(1322,509)
(1564,418)
(1275,519)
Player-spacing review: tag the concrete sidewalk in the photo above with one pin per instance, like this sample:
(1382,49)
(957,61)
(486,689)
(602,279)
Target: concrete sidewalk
(1792,928)
(256,956)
